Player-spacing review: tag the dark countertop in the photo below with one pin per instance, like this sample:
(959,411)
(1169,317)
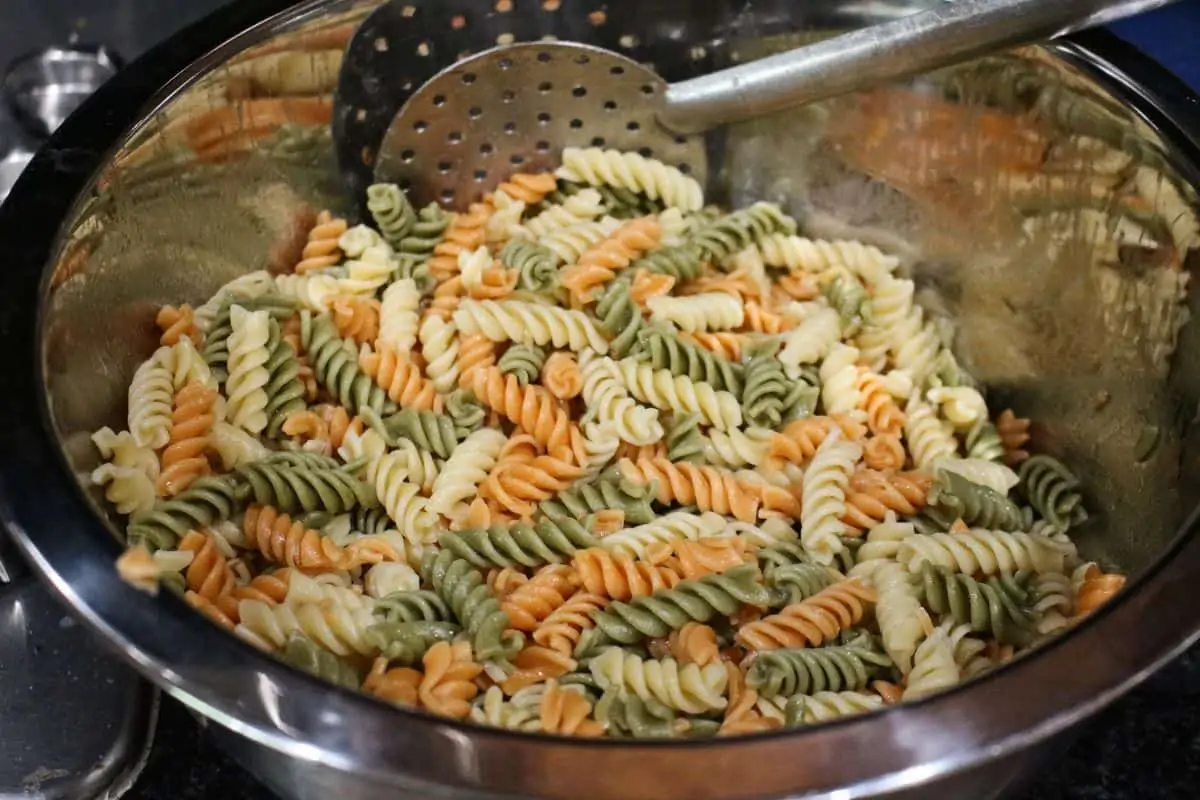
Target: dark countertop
(1145,746)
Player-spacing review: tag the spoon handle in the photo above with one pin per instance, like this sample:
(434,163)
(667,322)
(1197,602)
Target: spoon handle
(952,32)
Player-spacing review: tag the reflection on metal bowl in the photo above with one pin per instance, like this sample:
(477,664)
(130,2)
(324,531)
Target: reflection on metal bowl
(43,88)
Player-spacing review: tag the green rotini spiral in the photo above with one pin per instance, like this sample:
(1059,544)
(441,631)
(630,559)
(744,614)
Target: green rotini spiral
(995,607)
(473,604)
(795,582)
(619,318)
(285,390)
(216,341)
(370,520)
(667,610)
(427,231)
(293,484)
(765,390)
(954,497)
(665,350)
(393,213)
(547,541)
(415,268)
(848,297)
(682,262)
(627,715)
(684,440)
(467,413)
(735,232)
(804,391)
(839,668)
(207,501)
(983,442)
(405,643)
(618,202)
(428,430)
(336,367)
(781,554)
(609,491)
(300,652)
(1053,490)
(522,361)
(534,263)
(419,605)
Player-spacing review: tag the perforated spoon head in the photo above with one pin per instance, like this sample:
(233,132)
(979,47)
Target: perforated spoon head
(514,109)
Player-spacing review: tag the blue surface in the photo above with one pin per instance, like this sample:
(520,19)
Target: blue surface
(1168,35)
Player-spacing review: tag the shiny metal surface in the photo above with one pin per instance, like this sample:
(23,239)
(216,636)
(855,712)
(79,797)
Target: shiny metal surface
(1042,200)
(11,166)
(56,681)
(44,87)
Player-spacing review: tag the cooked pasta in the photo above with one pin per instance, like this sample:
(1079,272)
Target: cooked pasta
(590,458)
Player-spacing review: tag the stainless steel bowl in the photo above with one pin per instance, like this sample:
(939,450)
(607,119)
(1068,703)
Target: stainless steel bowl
(44,87)
(1043,199)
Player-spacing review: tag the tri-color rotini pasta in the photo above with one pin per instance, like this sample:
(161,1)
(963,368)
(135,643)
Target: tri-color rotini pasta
(589,458)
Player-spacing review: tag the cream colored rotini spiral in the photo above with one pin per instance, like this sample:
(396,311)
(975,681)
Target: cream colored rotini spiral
(338,626)
(902,620)
(929,438)
(582,207)
(812,339)
(185,364)
(150,396)
(439,346)
(467,467)
(883,540)
(571,242)
(822,706)
(402,499)
(248,286)
(609,400)
(914,343)
(737,448)
(982,552)
(248,354)
(691,689)
(600,443)
(825,485)
(710,311)
(934,666)
(634,172)
(997,477)
(839,380)
(370,272)
(506,222)
(680,394)
(471,266)
(961,406)
(398,317)
(672,527)
(129,489)
(676,226)
(311,291)
(867,263)
(529,323)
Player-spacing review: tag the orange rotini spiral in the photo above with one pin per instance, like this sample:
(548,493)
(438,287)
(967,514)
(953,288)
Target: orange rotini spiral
(476,354)
(446,298)
(1096,590)
(322,251)
(536,664)
(800,439)
(885,452)
(176,323)
(505,581)
(635,452)
(620,576)
(722,343)
(890,692)
(707,556)
(448,685)
(529,188)
(209,609)
(209,574)
(742,714)
(494,283)
(531,407)
(600,264)
(561,630)
(760,320)
(812,621)
(269,587)
(778,499)
(399,685)
(356,317)
(464,233)
(326,422)
(695,643)
(532,602)
(1014,433)
(518,487)
(647,284)
(400,377)
(567,713)
(872,494)
(183,460)
(707,488)
(884,416)
(799,286)
(606,521)
(561,375)
(738,283)
(288,542)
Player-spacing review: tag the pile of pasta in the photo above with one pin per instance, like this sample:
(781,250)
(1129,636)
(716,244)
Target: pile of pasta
(589,457)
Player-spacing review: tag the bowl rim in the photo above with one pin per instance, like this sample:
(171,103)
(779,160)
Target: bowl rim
(227,680)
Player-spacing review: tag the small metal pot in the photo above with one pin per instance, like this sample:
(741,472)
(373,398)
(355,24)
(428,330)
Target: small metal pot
(44,87)
(176,176)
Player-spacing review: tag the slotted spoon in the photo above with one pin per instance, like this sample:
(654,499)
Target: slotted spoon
(514,108)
